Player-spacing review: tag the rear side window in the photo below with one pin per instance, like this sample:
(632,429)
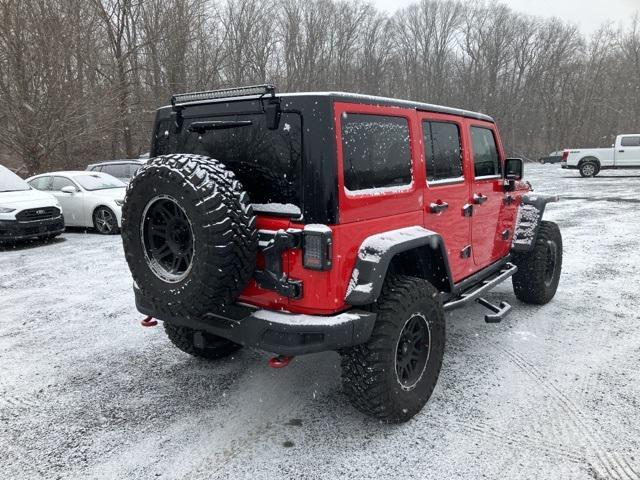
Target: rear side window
(442,150)
(485,152)
(376,152)
(41,183)
(631,141)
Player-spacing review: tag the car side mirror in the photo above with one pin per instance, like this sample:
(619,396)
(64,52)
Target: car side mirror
(514,169)
(68,189)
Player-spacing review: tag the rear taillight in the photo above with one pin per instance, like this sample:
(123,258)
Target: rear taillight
(565,155)
(316,247)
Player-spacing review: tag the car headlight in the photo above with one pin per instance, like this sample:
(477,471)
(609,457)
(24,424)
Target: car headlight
(7,210)
(119,202)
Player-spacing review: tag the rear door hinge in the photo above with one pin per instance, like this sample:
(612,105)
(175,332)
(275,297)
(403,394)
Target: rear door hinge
(273,277)
(467,210)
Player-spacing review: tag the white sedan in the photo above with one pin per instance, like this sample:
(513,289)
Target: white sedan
(88,199)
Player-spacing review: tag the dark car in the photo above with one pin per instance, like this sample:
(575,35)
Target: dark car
(121,169)
(553,157)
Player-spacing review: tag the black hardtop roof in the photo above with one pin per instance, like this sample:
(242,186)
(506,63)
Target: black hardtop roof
(122,160)
(394,102)
(346,97)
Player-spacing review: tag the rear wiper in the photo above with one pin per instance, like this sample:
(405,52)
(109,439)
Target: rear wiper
(201,127)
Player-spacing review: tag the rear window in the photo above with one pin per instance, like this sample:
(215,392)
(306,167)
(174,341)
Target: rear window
(375,151)
(267,162)
(631,141)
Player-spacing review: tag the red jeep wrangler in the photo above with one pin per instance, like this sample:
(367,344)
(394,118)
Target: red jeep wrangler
(300,223)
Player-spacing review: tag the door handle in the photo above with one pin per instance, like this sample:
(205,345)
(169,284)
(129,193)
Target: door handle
(479,198)
(621,151)
(438,207)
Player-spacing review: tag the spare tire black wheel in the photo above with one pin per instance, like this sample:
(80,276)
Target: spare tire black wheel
(189,235)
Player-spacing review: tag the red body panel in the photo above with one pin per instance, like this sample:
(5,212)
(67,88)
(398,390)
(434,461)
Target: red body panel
(487,223)
(454,227)
(363,215)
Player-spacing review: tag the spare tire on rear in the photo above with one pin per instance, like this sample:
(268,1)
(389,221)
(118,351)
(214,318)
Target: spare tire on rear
(189,234)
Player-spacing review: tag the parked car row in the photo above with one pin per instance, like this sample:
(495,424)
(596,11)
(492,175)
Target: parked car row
(88,199)
(43,205)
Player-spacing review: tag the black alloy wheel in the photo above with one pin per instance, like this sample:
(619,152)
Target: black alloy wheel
(412,352)
(167,237)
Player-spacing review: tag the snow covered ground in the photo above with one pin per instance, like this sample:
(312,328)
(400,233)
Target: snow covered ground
(551,392)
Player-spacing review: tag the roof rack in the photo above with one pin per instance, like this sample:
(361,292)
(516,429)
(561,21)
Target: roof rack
(261,90)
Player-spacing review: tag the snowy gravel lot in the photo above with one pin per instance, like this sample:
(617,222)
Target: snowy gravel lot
(552,392)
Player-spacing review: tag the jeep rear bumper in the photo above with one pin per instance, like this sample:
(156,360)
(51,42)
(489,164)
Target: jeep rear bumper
(278,332)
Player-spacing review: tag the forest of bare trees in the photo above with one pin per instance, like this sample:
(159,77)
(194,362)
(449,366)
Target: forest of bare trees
(80,79)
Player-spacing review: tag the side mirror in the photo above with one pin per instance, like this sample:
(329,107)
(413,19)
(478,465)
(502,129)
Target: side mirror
(514,169)
(68,189)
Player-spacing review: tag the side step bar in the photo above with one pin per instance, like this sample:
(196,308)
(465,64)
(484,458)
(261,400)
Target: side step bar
(474,294)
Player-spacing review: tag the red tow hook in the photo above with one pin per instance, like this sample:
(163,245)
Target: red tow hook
(280,361)
(149,322)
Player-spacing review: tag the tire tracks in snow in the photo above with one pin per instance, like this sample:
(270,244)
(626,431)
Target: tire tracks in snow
(613,464)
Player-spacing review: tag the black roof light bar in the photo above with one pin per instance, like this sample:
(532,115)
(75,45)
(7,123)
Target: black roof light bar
(184,98)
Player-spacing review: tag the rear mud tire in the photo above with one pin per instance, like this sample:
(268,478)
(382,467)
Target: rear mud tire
(538,275)
(217,347)
(372,373)
(210,229)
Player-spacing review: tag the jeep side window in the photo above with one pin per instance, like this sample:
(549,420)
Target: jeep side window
(442,151)
(376,152)
(630,141)
(485,153)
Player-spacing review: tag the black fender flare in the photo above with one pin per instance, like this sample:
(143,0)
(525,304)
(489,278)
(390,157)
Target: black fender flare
(530,213)
(377,251)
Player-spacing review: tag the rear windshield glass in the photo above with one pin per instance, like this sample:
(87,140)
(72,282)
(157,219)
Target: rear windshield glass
(98,182)
(267,162)
(10,182)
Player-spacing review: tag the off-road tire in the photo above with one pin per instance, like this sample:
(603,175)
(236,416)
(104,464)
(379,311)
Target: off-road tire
(217,347)
(369,375)
(589,169)
(532,282)
(223,234)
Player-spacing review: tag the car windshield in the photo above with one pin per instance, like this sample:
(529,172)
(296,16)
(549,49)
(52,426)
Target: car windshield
(98,182)
(10,182)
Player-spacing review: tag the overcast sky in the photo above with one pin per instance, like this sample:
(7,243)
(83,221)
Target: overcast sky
(587,14)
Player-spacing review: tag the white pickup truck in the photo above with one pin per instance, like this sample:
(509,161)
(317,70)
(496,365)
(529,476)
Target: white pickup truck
(625,153)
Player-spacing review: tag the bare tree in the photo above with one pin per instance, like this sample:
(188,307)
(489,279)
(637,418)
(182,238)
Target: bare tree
(78,79)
